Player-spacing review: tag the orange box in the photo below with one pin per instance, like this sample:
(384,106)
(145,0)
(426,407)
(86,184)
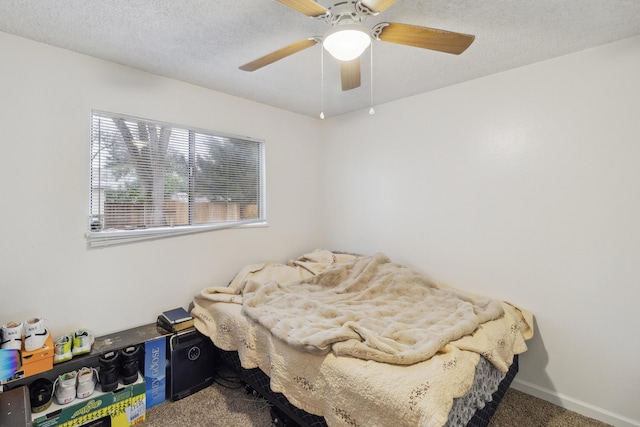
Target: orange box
(40,360)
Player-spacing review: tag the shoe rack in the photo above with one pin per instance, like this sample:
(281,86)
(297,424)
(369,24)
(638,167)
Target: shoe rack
(112,342)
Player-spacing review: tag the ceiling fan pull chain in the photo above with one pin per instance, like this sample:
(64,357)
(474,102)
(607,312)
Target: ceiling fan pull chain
(371,110)
(321,84)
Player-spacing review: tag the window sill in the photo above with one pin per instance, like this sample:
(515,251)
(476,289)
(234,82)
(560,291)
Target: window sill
(97,239)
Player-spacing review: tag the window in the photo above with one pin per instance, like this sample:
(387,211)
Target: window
(151,179)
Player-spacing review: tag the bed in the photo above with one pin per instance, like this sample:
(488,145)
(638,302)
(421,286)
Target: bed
(346,340)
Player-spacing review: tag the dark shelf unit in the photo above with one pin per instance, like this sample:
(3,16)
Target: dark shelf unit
(116,341)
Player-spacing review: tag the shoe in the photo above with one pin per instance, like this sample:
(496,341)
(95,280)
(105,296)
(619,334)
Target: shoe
(87,379)
(65,387)
(129,364)
(109,370)
(11,336)
(40,395)
(35,334)
(82,342)
(62,349)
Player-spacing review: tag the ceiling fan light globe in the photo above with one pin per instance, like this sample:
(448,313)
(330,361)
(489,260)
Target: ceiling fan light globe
(346,44)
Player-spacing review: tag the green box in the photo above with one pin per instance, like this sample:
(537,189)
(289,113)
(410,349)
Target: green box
(125,406)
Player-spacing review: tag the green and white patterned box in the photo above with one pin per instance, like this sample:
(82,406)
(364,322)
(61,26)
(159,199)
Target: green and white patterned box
(124,406)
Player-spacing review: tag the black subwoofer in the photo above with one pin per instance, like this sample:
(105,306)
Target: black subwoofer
(192,364)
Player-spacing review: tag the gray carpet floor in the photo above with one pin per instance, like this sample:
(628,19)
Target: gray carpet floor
(230,405)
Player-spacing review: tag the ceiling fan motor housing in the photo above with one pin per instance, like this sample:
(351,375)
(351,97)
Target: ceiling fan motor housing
(349,11)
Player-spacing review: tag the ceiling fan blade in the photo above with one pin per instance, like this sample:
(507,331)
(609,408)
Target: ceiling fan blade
(306,7)
(350,74)
(279,54)
(423,37)
(376,6)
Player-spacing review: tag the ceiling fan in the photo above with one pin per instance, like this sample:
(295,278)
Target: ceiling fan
(348,38)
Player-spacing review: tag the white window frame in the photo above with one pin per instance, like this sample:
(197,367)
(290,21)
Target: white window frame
(113,237)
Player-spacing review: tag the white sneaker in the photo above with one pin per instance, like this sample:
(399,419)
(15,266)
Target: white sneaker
(82,342)
(35,334)
(87,379)
(65,387)
(62,349)
(11,336)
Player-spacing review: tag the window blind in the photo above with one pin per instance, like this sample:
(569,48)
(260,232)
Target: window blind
(152,179)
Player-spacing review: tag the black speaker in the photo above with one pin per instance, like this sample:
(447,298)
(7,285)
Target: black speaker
(192,364)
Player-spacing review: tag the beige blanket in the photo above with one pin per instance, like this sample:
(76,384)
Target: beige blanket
(305,266)
(369,308)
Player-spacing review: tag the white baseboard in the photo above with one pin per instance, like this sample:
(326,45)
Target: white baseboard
(574,405)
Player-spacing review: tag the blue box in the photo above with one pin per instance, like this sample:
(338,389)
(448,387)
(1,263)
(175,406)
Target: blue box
(155,370)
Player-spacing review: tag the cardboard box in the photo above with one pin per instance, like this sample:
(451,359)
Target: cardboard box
(34,362)
(123,407)
(136,409)
(155,370)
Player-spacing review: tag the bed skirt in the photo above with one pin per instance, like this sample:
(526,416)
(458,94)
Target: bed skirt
(259,381)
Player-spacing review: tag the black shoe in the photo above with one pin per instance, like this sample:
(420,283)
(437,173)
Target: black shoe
(40,395)
(109,370)
(129,364)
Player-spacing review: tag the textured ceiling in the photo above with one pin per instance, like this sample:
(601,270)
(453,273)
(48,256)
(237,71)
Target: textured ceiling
(204,42)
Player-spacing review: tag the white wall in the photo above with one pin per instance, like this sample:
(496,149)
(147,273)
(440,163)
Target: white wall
(46,97)
(523,186)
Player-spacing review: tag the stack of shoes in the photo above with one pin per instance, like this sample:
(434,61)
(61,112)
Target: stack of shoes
(68,346)
(116,365)
(74,384)
(30,335)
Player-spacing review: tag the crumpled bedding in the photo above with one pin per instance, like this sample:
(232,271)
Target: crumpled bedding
(349,390)
(306,266)
(369,308)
